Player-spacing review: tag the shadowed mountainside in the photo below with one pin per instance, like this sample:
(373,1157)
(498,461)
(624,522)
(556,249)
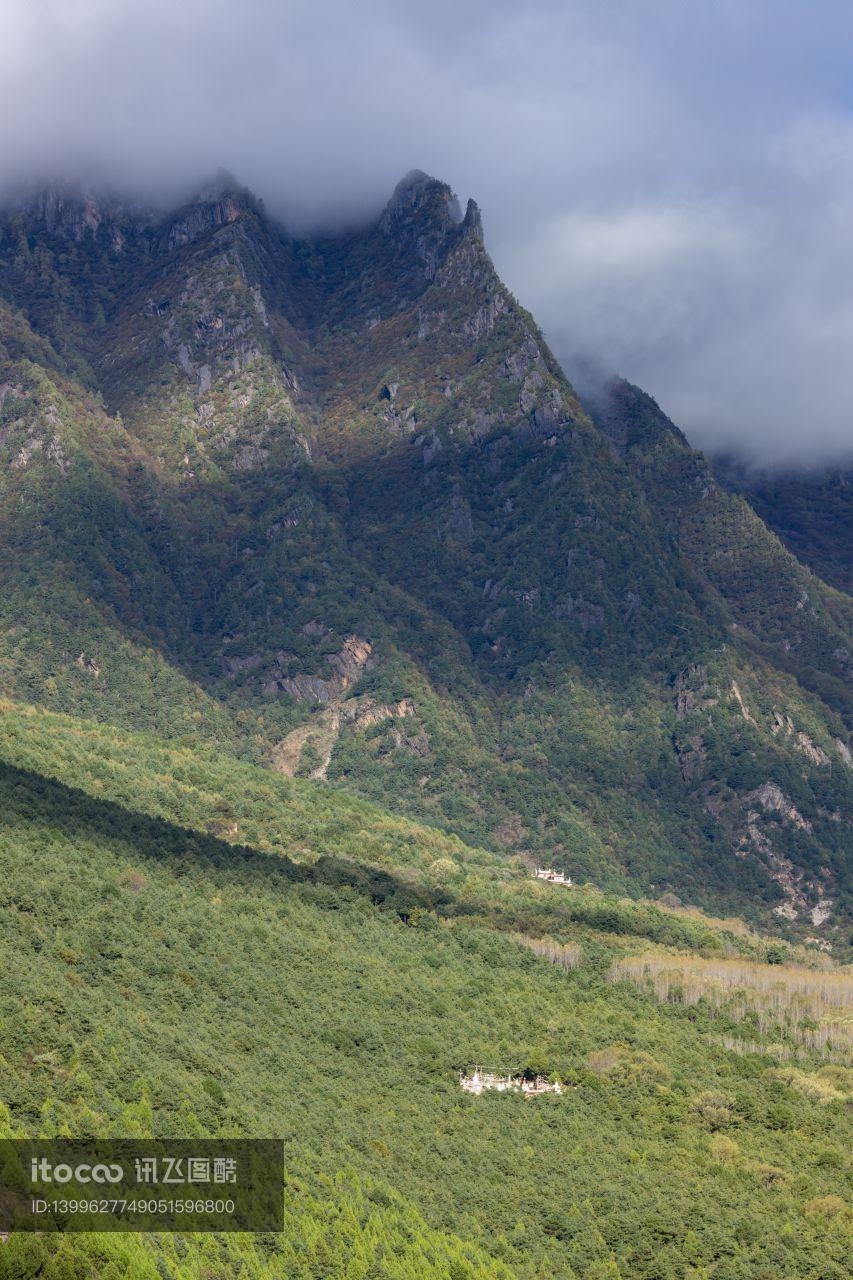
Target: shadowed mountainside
(331,505)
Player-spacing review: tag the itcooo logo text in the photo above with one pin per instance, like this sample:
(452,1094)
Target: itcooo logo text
(43,1170)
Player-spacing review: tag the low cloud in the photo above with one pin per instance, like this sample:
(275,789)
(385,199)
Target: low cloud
(668,187)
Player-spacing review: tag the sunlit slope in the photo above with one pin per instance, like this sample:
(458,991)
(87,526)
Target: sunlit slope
(263,997)
(328,833)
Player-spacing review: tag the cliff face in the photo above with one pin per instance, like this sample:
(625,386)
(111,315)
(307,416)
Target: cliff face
(235,460)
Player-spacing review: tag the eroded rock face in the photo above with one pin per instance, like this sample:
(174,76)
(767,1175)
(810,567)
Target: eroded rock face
(773,800)
(806,896)
(202,218)
(351,660)
(782,726)
(302,687)
(347,664)
(778,867)
(692,758)
(236,666)
(691,687)
(77,213)
(739,699)
(424,216)
(810,749)
(821,912)
(321,734)
(582,612)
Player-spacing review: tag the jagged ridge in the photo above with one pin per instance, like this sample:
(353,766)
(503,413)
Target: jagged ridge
(362,440)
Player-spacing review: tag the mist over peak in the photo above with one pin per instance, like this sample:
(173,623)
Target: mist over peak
(676,210)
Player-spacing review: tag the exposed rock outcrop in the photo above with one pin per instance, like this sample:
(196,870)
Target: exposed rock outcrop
(321,733)
(773,800)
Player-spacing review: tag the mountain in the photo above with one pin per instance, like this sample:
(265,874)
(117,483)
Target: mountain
(811,511)
(330,504)
(327,611)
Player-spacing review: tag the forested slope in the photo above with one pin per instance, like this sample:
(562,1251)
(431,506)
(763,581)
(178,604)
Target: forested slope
(159,979)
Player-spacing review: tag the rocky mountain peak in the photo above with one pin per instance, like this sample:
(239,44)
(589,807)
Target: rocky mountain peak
(217,203)
(629,416)
(76,210)
(423,218)
(220,185)
(472,223)
(418,196)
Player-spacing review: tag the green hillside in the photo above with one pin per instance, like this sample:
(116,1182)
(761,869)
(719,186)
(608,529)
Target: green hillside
(266,995)
(199,789)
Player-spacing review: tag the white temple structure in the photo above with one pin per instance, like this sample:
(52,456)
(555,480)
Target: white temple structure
(479,1081)
(555,877)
